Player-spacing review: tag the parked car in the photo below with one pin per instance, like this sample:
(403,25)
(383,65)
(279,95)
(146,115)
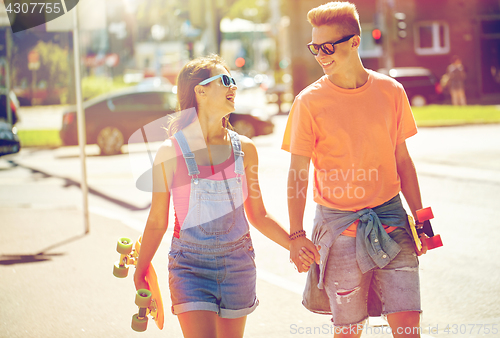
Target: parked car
(421,86)
(9,141)
(14,107)
(251,121)
(41,94)
(155,81)
(112,118)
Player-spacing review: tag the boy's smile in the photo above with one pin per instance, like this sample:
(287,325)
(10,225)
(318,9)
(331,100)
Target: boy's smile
(327,33)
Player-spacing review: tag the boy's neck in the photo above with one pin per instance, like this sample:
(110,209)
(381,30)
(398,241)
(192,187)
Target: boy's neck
(351,78)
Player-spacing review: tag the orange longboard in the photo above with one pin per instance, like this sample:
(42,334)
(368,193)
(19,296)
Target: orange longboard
(149,301)
(423,225)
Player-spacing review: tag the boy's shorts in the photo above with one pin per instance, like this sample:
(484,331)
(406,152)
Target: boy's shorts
(397,284)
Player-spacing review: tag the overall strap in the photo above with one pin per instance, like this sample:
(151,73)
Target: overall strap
(187,154)
(239,167)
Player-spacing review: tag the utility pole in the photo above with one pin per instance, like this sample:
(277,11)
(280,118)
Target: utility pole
(385,8)
(274,7)
(213,27)
(80,115)
(8,55)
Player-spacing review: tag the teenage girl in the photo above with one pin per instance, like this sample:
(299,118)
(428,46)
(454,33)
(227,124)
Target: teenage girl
(211,173)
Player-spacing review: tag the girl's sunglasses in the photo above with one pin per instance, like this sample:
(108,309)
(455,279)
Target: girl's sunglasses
(328,47)
(226,80)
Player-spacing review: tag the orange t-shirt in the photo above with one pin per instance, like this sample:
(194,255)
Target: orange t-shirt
(351,137)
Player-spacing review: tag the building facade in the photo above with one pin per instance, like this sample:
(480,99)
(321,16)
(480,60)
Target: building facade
(416,33)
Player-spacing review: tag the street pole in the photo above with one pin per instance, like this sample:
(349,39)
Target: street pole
(389,15)
(386,9)
(8,47)
(212,44)
(80,120)
(158,33)
(33,87)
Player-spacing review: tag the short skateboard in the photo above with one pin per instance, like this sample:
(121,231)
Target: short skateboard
(148,300)
(423,225)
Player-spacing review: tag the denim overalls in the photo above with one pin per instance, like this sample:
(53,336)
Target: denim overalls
(211,264)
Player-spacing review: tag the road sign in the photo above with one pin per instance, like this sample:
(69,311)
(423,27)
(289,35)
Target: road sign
(33,60)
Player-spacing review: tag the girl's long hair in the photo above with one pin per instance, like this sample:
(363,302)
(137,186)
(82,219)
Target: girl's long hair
(189,77)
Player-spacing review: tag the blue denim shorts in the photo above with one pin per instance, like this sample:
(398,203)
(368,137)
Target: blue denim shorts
(221,279)
(396,285)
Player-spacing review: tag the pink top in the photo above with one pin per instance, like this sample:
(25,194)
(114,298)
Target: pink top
(181,187)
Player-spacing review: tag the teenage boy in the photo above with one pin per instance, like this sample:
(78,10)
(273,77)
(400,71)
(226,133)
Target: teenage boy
(352,123)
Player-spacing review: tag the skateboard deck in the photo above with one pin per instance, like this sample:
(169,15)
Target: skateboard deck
(423,225)
(148,300)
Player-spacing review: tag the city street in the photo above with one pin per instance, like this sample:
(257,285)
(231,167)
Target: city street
(57,282)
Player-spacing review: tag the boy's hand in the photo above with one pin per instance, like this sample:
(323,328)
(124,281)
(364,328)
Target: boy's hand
(424,245)
(307,257)
(304,244)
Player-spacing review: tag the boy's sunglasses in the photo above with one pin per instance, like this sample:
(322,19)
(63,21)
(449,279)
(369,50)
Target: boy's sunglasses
(226,80)
(328,47)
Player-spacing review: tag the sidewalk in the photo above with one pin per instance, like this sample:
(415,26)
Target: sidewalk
(57,282)
(42,117)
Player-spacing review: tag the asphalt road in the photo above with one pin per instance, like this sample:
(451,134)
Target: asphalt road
(458,169)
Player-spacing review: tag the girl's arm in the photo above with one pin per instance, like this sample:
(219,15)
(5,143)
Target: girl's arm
(257,213)
(157,223)
(254,206)
(298,180)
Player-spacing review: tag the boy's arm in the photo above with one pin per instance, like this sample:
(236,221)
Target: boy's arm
(408,177)
(298,179)
(409,185)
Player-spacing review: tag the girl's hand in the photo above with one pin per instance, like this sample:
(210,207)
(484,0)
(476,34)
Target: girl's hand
(140,281)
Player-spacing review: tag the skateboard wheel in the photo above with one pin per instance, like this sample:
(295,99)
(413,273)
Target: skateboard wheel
(434,242)
(424,215)
(143,298)
(120,271)
(124,246)
(139,324)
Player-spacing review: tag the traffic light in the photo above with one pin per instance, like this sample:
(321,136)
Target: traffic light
(240,62)
(377,36)
(401,25)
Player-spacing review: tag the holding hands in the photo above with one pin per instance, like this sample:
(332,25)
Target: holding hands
(302,251)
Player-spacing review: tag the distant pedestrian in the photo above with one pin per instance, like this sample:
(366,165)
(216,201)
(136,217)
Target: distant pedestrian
(456,77)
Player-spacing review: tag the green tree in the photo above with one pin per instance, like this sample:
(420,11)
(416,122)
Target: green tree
(253,10)
(54,67)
